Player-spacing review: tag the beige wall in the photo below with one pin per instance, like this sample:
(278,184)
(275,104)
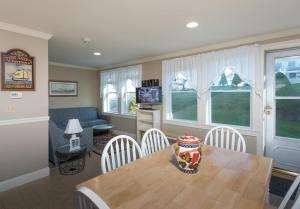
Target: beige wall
(24,147)
(87,87)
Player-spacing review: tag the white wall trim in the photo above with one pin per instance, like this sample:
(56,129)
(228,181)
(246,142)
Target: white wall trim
(23,120)
(24,31)
(58,64)
(211,47)
(119,132)
(23,179)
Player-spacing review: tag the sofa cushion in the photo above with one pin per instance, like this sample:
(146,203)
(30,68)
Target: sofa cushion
(88,113)
(96,122)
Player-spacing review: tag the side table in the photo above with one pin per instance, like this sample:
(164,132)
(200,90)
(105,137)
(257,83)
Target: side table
(71,162)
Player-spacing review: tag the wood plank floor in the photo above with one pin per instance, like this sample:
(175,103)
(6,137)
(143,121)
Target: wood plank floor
(53,192)
(57,191)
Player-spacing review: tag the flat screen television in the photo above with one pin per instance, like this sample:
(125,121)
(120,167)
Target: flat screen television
(148,95)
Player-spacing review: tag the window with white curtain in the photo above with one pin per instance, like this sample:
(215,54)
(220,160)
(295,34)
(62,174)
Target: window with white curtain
(230,99)
(228,79)
(118,87)
(180,88)
(222,82)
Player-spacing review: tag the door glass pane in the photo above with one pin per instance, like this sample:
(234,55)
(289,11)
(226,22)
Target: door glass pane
(287,76)
(184,105)
(230,108)
(288,118)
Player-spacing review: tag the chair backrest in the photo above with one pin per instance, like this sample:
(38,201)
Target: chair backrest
(153,141)
(87,199)
(225,137)
(290,192)
(119,151)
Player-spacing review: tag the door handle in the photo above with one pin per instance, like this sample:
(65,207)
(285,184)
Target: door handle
(268,109)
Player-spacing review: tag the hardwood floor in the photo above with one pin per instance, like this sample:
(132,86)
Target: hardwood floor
(57,191)
(53,192)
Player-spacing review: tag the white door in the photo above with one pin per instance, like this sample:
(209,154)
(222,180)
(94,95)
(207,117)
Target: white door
(283,108)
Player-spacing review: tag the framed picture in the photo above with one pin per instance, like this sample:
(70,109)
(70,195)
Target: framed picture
(17,71)
(63,88)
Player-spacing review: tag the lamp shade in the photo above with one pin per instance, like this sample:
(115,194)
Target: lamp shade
(73,127)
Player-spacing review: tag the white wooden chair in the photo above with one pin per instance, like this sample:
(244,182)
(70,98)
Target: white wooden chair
(119,151)
(284,202)
(290,192)
(225,137)
(153,141)
(87,199)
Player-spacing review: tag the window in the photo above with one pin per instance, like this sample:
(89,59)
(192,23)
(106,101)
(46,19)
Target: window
(180,88)
(130,104)
(230,100)
(216,87)
(118,87)
(111,99)
(184,100)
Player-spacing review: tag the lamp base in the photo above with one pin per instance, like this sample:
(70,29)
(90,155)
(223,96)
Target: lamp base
(74,143)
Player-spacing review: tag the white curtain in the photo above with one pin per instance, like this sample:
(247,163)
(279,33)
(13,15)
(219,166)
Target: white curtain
(118,77)
(243,60)
(108,77)
(187,67)
(133,73)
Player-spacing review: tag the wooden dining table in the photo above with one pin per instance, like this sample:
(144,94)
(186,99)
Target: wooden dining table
(225,180)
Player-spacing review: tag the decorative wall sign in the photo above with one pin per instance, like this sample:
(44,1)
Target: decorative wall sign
(17,70)
(63,88)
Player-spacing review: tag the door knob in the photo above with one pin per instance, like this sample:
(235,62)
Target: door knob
(268,109)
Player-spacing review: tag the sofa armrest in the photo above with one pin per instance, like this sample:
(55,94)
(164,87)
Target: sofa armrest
(101,116)
(86,137)
(56,139)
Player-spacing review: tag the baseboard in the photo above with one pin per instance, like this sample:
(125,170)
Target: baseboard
(118,132)
(26,178)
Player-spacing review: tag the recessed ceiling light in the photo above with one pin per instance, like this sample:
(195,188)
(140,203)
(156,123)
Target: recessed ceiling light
(97,53)
(192,25)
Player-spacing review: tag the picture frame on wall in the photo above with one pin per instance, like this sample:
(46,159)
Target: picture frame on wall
(63,88)
(18,71)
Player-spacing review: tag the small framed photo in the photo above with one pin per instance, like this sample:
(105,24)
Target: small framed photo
(74,144)
(63,88)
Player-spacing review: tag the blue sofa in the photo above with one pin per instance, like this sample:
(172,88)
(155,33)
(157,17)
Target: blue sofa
(59,117)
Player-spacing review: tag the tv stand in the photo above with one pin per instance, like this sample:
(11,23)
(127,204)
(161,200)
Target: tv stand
(146,119)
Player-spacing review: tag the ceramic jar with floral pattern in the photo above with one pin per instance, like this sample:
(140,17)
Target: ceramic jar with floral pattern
(188,151)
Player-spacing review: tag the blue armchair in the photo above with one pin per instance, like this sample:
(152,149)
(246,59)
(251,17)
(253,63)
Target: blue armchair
(88,117)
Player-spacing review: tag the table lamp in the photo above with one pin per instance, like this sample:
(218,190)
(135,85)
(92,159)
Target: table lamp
(74,128)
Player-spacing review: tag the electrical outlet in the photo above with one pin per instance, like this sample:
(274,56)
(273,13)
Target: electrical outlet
(11,108)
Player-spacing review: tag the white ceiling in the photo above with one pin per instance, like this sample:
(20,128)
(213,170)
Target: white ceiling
(124,30)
